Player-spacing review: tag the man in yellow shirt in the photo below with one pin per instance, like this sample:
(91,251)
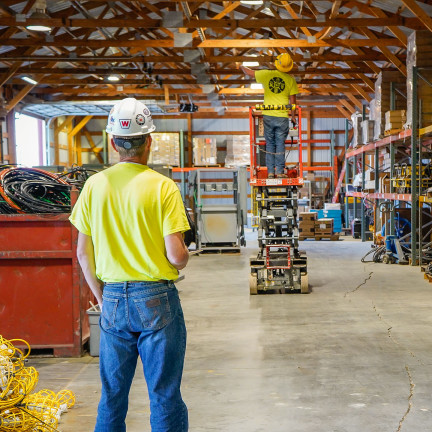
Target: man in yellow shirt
(130,248)
(279,89)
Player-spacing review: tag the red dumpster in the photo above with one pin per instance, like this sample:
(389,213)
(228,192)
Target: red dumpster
(43,294)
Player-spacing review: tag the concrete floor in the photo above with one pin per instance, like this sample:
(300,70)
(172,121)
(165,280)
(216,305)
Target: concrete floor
(352,356)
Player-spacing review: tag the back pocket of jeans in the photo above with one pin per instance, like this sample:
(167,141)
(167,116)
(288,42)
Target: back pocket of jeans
(154,312)
(108,315)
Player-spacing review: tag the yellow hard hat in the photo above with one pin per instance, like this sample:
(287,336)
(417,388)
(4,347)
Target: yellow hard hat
(284,62)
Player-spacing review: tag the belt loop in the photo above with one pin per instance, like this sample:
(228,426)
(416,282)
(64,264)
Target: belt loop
(125,284)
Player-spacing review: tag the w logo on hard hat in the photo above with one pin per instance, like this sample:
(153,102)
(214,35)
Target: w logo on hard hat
(124,123)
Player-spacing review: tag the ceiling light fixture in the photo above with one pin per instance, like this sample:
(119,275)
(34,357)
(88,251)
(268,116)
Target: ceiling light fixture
(252,2)
(39,14)
(29,80)
(256,86)
(250,63)
(113,78)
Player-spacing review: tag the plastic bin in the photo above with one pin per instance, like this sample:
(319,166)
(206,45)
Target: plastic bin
(94,331)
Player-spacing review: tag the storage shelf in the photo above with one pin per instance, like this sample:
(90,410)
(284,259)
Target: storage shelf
(425,199)
(388,196)
(368,148)
(377,195)
(380,143)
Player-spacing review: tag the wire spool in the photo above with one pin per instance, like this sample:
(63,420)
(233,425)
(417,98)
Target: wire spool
(76,176)
(31,190)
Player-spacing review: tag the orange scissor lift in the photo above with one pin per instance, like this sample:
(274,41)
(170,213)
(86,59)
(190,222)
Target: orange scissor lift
(279,266)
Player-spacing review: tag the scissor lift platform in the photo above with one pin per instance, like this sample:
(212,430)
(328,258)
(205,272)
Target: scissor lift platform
(279,266)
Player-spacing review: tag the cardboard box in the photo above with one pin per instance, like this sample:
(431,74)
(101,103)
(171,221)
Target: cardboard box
(204,151)
(395,116)
(165,149)
(367,131)
(307,227)
(238,150)
(324,225)
(331,206)
(308,230)
(308,216)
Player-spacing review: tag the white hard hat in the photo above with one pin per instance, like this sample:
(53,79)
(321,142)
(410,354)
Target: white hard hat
(130,117)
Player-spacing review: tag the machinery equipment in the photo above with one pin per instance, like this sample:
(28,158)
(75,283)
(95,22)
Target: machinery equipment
(402,177)
(279,266)
(393,253)
(220,196)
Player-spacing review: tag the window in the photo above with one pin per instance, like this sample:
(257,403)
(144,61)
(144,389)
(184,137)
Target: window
(30,139)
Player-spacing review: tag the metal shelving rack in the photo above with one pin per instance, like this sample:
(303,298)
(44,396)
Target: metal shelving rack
(414,198)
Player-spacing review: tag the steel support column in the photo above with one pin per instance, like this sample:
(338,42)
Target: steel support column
(347,176)
(392,212)
(377,178)
(332,153)
(414,196)
(363,206)
(182,174)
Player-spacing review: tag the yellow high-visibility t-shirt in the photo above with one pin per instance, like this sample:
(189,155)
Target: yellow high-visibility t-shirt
(278,87)
(128,209)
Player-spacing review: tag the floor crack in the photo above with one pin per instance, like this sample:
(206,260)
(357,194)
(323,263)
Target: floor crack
(412,385)
(390,335)
(363,283)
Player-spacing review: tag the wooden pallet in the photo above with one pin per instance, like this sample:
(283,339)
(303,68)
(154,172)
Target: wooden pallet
(226,250)
(392,132)
(333,237)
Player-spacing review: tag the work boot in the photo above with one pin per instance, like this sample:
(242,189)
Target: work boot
(271,176)
(281,176)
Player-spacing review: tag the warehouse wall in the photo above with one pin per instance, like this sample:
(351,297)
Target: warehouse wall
(199,129)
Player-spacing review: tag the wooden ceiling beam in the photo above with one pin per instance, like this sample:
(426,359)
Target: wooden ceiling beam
(354,100)
(363,93)
(328,57)
(300,43)
(393,28)
(344,112)
(348,106)
(209,43)
(392,57)
(417,10)
(290,10)
(10,105)
(183,71)
(381,20)
(188,81)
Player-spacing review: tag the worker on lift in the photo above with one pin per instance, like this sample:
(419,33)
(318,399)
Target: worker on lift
(279,89)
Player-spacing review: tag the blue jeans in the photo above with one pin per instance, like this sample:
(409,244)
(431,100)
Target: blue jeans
(145,319)
(275,133)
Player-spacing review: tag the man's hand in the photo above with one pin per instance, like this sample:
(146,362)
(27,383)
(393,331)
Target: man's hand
(86,258)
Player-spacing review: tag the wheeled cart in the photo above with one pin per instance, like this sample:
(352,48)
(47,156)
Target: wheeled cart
(279,266)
